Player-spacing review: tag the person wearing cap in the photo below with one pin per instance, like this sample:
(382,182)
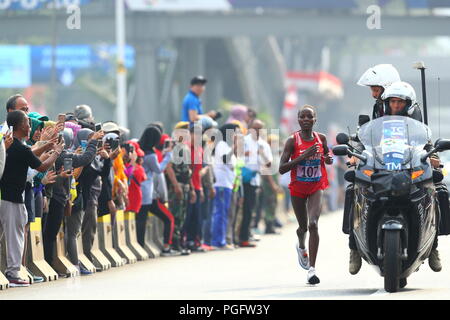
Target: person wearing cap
(192,109)
(110,127)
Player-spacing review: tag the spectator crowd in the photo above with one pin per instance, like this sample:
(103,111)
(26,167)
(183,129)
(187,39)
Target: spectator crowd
(211,185)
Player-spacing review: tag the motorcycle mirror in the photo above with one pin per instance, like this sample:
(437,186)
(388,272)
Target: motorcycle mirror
(363,119)
(340,150)
(342,138)
(442,144)
(437,142)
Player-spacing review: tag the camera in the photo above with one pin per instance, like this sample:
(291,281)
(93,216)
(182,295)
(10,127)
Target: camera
(68,164)
(129,148)
(113,143)
(168,143)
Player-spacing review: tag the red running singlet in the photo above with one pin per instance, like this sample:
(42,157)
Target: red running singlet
(310,175)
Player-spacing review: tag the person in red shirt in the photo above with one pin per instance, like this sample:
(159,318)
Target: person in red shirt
(136,175)
(308,153)
(193,222)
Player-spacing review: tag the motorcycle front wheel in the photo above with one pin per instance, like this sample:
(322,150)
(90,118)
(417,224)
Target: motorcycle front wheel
(392,260)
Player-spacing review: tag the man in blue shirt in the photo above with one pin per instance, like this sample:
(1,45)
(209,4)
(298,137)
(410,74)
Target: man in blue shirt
(192,105)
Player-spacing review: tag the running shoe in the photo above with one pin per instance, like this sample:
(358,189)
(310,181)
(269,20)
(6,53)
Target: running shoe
(303,258)
(17,282)
(83,270)
(247,244)
(169,252)
(312,277)
(207,247)
(185,252)
(255,237)
(36,279)
(278,224)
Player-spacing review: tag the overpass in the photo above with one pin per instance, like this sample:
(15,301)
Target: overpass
(146,31)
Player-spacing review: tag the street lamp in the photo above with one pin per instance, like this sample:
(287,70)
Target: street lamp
(121,76)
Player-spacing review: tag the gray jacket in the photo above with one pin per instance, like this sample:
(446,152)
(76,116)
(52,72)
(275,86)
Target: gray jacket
(61,188)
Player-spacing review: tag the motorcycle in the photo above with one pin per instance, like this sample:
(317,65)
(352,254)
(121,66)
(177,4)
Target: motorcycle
(395,214)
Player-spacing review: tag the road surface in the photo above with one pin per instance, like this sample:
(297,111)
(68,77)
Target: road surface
(269,271)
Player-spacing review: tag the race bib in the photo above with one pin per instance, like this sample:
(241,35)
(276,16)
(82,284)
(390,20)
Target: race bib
(309,171)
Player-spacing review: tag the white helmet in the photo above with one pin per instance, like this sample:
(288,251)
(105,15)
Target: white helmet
(401,90)
(382,75)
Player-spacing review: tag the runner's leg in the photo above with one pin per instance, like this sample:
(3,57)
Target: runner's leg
(301,214)
(314,208)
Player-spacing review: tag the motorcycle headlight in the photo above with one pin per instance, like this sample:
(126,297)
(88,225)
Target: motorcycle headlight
(401,183)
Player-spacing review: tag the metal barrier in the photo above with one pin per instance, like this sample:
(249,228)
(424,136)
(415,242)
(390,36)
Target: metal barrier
(61,264)
(105,241)
(130,237)
(120,242)
(35,254)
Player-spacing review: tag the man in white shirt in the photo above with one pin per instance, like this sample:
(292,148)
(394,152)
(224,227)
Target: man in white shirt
(224,163)
(257,156)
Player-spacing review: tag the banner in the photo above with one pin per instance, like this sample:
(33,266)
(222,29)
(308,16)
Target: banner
(20,66)
(15,67)
(295,4)
(178,5)
(39,4)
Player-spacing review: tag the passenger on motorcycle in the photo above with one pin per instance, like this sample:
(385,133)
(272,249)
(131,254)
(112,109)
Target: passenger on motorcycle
(378,78)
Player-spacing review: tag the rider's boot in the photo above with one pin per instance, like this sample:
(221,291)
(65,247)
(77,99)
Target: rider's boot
(355,262)
(434,261)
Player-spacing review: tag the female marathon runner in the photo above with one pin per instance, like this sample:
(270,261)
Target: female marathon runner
(309,153)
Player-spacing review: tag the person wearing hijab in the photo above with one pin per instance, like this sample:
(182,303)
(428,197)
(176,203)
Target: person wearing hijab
(149,139)
(239,113)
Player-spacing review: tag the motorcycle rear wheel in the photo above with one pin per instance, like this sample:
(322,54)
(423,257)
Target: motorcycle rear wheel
(392,260)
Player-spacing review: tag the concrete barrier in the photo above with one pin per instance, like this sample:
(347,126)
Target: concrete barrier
(151,247)
(130,237)
(105,241)
(158,232)
(120,241)
(4,283)
(24,274)
(88,265)
(61,264)
(35,254)
(99,259)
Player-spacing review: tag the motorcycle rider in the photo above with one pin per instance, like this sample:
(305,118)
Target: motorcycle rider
(400,100)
